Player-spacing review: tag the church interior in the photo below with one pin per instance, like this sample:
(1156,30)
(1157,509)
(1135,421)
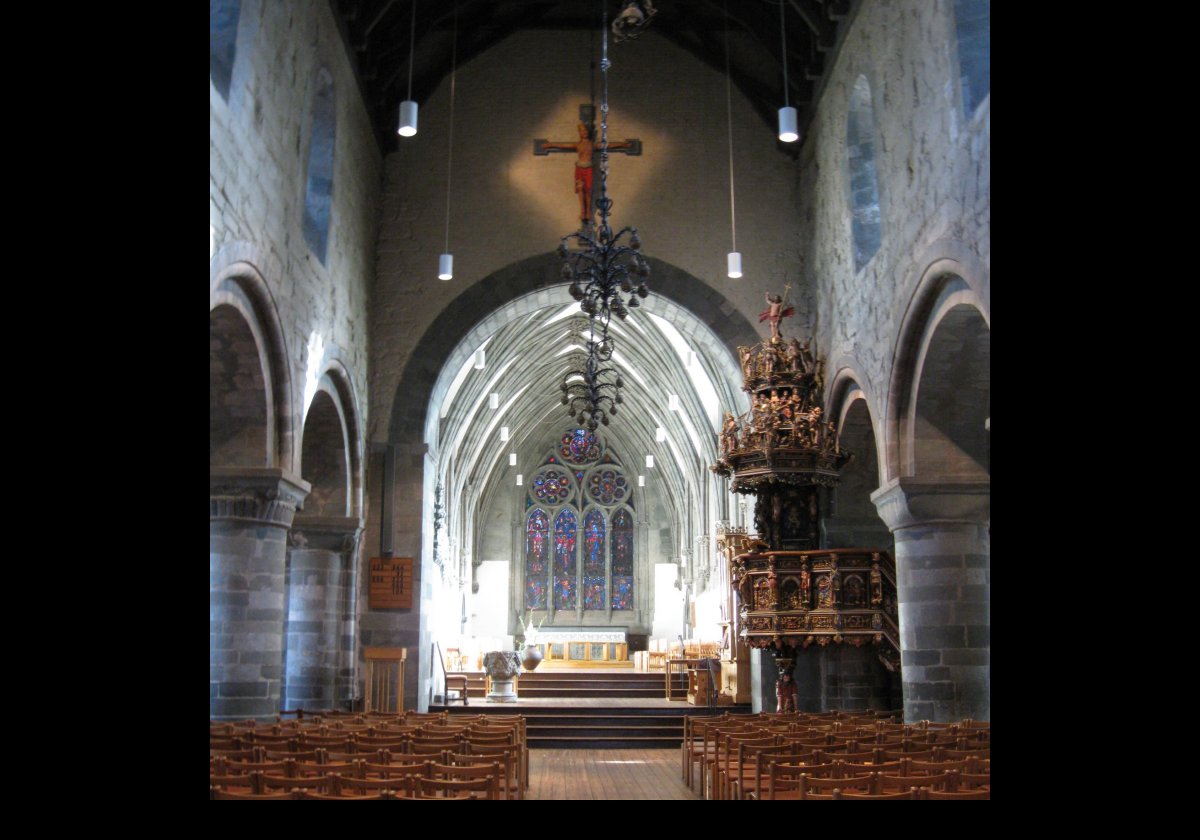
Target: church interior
(603,353)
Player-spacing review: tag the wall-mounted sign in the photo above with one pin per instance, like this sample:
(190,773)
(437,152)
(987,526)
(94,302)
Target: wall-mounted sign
(391,586)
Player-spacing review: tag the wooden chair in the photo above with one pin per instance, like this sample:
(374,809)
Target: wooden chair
(350,786)
(731,765)
(508,762)
(783,778)
(811,787)
(515,755)
(488,786)
(981,793)
(911,793)
(219,793)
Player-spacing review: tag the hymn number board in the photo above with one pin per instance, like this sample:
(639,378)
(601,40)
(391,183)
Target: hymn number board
(391,583)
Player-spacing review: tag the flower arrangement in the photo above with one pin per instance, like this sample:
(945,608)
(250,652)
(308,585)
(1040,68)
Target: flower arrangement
(530,632)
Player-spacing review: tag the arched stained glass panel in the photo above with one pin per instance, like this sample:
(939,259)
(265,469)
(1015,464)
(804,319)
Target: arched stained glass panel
(565,529)
(537,528)
(622,560)
(594,579)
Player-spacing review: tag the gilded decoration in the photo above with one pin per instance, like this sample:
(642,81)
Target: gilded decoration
(790,593)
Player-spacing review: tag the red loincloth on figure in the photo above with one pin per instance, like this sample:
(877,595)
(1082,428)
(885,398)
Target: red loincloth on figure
(583,178)
(787,313)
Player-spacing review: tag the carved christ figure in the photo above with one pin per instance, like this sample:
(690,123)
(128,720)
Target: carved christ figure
(585,150)
(775,313)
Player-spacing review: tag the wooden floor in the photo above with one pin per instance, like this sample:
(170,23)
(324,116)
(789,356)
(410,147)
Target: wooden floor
(580,703)
(606,774)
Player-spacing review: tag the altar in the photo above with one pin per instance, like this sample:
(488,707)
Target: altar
(583,648)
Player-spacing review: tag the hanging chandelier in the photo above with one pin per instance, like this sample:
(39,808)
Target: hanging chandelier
(592,391)
(608,276)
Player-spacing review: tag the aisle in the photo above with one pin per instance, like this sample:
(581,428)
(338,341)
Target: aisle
(606,774)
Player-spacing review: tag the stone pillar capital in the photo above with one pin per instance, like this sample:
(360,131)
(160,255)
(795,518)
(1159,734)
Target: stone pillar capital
(330,533)
(262,495)
(907,502)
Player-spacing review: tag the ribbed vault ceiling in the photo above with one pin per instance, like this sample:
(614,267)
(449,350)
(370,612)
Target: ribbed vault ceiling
(528,357)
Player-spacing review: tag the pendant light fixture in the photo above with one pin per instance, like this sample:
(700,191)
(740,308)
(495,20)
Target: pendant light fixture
(735,257)
(446,260)
(408,108)
(787,115)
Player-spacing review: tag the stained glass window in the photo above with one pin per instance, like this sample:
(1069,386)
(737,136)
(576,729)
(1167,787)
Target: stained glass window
(622,560)
(607,487)
(594,579)
(575,560)
(565,528)
(536,531)
(579,447)
(552,486)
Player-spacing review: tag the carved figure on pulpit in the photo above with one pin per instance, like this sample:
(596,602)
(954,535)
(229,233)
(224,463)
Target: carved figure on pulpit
(876,582)
(814,427)
(763,597)
(804,588)
(793,355)
(854,591)
(747,367)
(744,589)
(785,693)
(827,587)
(729,434)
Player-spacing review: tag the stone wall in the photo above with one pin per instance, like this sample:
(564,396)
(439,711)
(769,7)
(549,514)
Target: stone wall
(258,152)
(508,205)
(933,169)
(314,319)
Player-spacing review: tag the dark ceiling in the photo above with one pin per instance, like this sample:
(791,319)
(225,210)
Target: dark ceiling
(377,36)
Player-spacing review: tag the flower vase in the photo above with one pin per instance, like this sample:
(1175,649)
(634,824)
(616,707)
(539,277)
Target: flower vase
(533,657)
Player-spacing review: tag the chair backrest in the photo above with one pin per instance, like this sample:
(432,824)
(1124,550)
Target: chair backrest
(911,793)
(461,788)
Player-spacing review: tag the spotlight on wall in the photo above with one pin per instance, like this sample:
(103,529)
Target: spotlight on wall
(660,434)
(512,459)
(493,401)
(641,481)
(649,462)
(504,434)
(673,402)
(479,359)
(520,479)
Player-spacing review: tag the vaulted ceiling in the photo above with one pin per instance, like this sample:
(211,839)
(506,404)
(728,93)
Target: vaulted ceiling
(378,34)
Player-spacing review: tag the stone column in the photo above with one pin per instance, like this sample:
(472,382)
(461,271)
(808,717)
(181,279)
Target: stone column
(250,512)
(320,645)
(943,563)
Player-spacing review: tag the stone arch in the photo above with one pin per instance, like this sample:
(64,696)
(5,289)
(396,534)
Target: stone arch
(335,383)
(238,294)
(324,456)
(540,274)
(853,520)
(945,283)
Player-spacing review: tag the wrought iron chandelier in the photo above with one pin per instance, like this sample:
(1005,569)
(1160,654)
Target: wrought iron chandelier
(608,277)
(593,392)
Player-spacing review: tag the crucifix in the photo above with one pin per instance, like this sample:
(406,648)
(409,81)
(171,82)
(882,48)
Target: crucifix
(586,157)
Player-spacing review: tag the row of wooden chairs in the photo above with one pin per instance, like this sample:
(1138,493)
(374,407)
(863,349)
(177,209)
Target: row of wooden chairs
(270,747)
(727,754)
(429,780)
